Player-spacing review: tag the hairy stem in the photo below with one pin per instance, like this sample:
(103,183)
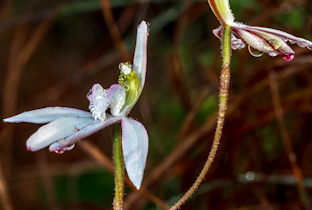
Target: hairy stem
(223,99)
(119,168)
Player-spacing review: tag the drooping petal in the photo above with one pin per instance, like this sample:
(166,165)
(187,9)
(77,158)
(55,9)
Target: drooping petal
(236,44)
(98,102)
(116,95)
(65,144)
(56,130)
(45,115)
(135,149)
(253,40)
(264,42)
(283,35)
(140,53)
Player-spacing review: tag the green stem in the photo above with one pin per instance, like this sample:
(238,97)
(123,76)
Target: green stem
(119,168)
(223,99)
(226,45)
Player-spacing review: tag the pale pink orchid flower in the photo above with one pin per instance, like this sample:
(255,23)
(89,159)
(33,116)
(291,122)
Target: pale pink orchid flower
(65,126)
(258,39)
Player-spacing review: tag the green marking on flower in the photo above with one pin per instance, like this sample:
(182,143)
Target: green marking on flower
(221,9)
(129,80)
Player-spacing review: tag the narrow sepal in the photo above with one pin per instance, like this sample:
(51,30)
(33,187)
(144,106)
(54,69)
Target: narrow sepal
(286,37)
(45,115)
(140,53)
(222,10)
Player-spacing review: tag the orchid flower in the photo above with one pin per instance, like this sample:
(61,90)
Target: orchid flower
(259,39)
(67,125)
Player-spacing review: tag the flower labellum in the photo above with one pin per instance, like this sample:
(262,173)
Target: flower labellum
(66,126)
(260,40)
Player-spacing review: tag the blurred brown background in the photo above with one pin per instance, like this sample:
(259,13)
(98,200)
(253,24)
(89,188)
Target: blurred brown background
(52,52)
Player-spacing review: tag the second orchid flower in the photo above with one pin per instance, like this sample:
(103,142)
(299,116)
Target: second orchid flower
(259,39)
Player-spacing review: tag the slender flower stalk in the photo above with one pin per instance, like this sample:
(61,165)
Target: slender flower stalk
(236,36)
(119,167)
(223,101)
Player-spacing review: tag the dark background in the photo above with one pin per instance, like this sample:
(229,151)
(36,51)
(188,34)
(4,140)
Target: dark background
(52,52)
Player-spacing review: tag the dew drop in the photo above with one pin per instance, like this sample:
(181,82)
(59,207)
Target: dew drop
(288,57)
(272,53)
(70,147)
(250,176)
(254,52)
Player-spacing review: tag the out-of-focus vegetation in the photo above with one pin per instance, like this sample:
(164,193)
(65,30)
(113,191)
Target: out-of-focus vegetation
(53,51)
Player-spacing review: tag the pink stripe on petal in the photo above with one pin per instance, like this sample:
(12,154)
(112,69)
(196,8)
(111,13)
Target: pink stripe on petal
(264,42)
(283,35)
(251,39)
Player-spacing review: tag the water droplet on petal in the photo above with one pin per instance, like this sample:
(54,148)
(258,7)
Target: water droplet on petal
(254,52)
(310,47)
(273,53)
(70,147)
(288,57)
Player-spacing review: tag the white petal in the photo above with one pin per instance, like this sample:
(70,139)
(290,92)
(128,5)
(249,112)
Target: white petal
(237,44)
(135,149)
(56,130)
(45,115)
(140,53)
(98,102)
(116,95)
(62,145)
